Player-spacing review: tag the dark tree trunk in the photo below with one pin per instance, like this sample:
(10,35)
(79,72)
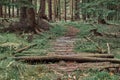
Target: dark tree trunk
(42,18)
(42,8)
(59,10)
(23,14)
(72,8)
(55,10)
(65,10)
(31,19)
(50,9)
(1,11)
(9,14)
(13,9)
(77,17)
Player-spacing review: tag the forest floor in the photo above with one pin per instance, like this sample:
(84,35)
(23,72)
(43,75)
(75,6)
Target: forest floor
(58,42)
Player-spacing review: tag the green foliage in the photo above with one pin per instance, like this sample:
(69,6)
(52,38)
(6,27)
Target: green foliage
(100,8)
(58,30)
(19,3)
(102,76)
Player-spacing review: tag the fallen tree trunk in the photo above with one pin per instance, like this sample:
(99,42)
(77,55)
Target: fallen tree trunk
(96,55)
(74,55)
(56,58)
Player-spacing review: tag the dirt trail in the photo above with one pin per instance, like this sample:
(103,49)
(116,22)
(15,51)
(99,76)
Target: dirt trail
(65,46)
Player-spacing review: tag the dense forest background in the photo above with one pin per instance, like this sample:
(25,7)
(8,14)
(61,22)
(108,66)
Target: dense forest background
(64,9)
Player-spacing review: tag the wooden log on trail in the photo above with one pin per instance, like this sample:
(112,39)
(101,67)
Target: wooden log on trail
(94,55)
(57,58)
(80,55)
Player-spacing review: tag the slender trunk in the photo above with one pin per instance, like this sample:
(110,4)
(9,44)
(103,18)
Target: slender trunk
(84,12)
(55,10)
(13,9)
(77,17)
(5,11)
(72,4)
(59,10)
(50,9)
(1,11)
(65,10)
(9,10)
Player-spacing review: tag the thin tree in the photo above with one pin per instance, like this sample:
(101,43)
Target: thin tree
(72,8)
(50,9)
(1,11)
(65,10)
(77,10)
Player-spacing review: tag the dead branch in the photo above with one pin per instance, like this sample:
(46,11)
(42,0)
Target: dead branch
(97,46)
(24,48)
(108,67)
(108,46)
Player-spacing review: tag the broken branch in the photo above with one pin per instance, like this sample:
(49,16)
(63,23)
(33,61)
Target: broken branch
(24,48)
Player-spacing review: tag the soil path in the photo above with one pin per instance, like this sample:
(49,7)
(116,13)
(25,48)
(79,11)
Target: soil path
(65,46)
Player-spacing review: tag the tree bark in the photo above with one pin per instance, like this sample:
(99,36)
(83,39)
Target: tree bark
(50,9)
(42,18)
(59,9)
(72,9)
(42,8)
(65,10)
(23,14)
(77,17)
(1,11)
(31,22)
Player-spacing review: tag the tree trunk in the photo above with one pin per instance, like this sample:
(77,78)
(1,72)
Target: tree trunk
(77,17)
(42,8)
(31,19)
(57,58)
(50,9)
(65,10)
(23,14)
(55,9)
(13,9)
(59,10)
(9,11)
(84,17)
(42,18)
(72,9)
(1,11)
